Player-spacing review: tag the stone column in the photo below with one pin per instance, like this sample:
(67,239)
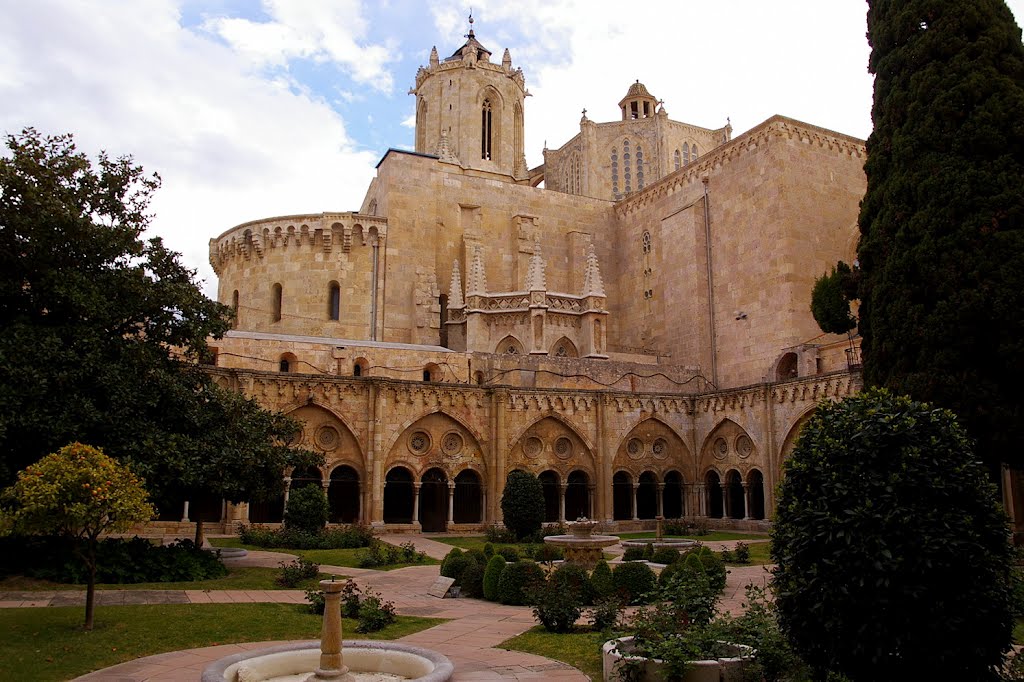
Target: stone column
(746,501)
(561,501)
(332,661)
(725,500)
(636,487)
(184,510)
(702,499)
(591,491)
(416,501)
(451,502)
(661,500)
(500,445)
(484,511)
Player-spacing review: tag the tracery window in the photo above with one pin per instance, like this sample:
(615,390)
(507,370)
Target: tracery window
(627,174)
(646,241)
(693,153)
(486,131)
(686,153)
(615,174)
(678,159)
(639,167)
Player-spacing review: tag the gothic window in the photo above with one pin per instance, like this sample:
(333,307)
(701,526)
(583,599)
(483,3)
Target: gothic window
(627,175)
(357,371)
(646,241)
(686,152)
(275,302)
(287,363)
(234,309)
(615,174)
(639,167)
(486,131)
(421,127)
(678,159)
(693,153)
(334,301)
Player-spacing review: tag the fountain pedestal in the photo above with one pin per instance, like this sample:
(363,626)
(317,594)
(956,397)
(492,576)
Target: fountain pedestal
(332,661)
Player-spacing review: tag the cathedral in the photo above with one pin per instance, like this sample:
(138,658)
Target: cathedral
(629,320)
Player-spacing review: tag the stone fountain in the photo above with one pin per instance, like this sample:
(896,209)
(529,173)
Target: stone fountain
(580,545)
(331,658)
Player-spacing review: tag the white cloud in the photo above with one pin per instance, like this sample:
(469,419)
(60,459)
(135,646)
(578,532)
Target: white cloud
(409,121)
(311,29)
(229,145)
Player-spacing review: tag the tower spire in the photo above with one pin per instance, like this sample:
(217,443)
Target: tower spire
(470,34)
(455,299)
(535,280)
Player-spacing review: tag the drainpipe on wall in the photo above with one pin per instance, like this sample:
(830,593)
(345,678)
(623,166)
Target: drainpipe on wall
(373,293)
(711,286)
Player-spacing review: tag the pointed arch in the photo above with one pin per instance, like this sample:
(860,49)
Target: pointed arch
(564,348)
(510,345)
(564,422)
(459,419)
(652,443)
(551,442)
(793,433)
(728,443)
(323,430)
(436,439)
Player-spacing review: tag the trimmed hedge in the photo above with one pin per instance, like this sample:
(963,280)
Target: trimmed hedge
(492,576)
(601,580)
(633,581)
(517,581)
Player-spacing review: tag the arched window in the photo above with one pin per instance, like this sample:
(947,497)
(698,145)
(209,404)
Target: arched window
(686,152)
(693,153)
(486,131)
(360,368)
(287,363)
(421,127)
(645,240)
(357,371)
(333,301)
(234,309)
(678,159)
(275,302)
(627,175)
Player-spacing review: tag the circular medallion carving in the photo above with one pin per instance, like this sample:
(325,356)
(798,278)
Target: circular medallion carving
(563,448)
(327,438)
(452,443)
(635,448)
(660,448)
(419,443)
(720,448)
(533,446)
(744,446)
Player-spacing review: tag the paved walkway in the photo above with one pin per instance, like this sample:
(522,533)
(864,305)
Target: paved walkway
(469,637)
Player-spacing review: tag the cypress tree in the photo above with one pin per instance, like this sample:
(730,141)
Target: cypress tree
(942,224)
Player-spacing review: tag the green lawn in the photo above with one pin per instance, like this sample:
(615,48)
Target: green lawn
(330,557)
(580,649)
(237,579)
(49,644)
(713,536)
(465,542)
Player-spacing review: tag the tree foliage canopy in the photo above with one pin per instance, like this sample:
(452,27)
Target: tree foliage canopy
(942,224)
(522,503)
(101,333)
(891,551)
(829,302)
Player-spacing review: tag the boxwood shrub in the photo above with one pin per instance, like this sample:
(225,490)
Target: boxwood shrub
(517,581)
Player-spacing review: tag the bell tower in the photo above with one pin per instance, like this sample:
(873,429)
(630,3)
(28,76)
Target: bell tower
(469,110)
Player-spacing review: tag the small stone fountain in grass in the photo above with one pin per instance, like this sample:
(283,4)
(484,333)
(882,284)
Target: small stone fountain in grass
(580,545)
(331,658)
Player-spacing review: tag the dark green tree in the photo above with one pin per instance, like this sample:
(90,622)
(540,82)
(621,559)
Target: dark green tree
(891,552)
(941,252)
(102,334)
(522,503)
(830,304)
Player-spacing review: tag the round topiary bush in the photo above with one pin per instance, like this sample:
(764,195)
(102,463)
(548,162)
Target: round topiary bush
(632,581)
(492,575)
(455,566)
(572,579)
(472,580)
(517,581)
(633,554)
(453,552)
(307,509)
(891,548)
(509,554)
(665,555)
(522,504)
(601,579)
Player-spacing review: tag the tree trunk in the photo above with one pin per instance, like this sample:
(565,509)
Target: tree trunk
(199,534)
(90,590)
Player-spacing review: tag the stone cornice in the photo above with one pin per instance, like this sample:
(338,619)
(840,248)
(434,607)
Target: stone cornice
(774,128)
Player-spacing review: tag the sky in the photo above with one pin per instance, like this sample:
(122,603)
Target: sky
(251,109)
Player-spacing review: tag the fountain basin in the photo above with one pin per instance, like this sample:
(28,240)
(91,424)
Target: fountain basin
(366,660)
(582,550)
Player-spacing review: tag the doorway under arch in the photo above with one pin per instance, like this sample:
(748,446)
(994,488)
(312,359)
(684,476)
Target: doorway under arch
(343,495)
(398,494)
(577,496)
(734,496)
(550,484)
(755,483)
(647,496)
(713,485)
(468,502)
(672,497)
(434,501)
(622,496)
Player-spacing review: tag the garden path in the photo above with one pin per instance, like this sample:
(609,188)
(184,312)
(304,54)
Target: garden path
(469,637)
